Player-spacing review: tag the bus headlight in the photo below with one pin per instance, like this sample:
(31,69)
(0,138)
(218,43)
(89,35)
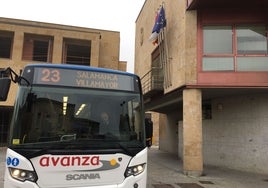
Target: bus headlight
(135,170)
(22,175)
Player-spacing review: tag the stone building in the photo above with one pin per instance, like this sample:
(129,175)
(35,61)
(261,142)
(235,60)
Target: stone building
(206,76)
(23,42)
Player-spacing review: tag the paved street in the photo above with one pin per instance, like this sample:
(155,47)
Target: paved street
(165,171)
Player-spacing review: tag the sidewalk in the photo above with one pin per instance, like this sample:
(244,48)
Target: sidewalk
(165,171)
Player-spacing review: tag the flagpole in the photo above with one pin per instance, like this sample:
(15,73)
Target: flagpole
(162,55)
(159,37)
(168,60)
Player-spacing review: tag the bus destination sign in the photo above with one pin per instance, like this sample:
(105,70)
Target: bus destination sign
(81,78)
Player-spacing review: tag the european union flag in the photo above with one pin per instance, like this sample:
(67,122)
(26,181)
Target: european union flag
(160,22)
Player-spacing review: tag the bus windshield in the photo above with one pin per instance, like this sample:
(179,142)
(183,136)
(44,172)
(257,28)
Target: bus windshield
(49,115)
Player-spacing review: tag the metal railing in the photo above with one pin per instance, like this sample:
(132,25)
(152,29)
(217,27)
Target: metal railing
(153,80)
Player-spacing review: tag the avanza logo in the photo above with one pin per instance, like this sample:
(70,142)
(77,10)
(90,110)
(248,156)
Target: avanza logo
(67,161)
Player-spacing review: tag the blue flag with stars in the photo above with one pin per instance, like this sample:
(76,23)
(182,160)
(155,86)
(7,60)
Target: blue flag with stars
(160,22)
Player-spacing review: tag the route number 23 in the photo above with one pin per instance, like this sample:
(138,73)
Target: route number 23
(50,75)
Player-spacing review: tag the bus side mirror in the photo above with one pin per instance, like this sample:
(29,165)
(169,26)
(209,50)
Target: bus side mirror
(149,132)
(4,88)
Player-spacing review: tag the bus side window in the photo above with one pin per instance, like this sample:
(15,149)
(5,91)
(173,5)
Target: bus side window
(26,124)
(124,123)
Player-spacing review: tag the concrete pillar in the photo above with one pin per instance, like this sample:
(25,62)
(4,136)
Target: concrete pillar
(17,47)
(57,49)
(192,132)
(95,51)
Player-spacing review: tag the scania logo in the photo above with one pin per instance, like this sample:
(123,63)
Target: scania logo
(90,176)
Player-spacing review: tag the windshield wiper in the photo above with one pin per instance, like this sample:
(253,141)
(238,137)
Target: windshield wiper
(44,150)
(37,149)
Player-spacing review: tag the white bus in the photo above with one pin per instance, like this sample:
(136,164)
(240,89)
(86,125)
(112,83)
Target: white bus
(58,138)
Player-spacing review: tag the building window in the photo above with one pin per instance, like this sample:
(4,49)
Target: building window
(215,35)
(251,40)
(76,51)
(37,48)
(6,42)
(235,48)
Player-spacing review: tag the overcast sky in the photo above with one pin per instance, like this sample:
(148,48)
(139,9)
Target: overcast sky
(115,15)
